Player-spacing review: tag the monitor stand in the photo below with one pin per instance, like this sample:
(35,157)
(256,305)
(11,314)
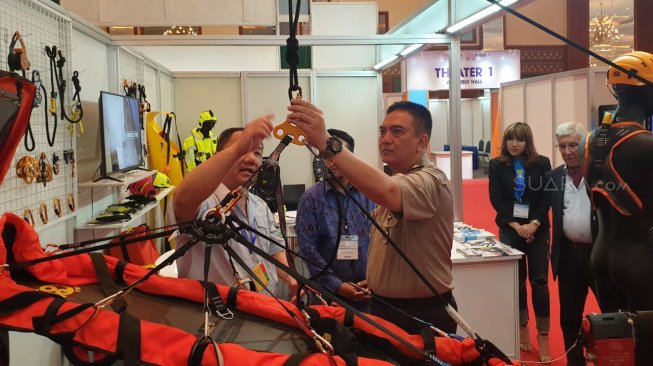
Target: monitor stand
(107,177)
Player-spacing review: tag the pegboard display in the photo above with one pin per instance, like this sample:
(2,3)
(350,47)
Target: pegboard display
(41,26)
(131,68)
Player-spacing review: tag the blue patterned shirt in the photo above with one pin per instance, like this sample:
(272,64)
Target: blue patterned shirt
(317,226)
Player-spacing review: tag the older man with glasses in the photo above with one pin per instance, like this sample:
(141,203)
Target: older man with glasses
(573,223)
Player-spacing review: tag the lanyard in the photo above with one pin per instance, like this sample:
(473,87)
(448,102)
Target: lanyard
(251,237)
(520,180)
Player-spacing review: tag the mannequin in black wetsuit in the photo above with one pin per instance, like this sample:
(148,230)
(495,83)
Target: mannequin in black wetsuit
(622,256)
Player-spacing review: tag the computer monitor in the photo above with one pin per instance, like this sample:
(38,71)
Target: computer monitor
(291,195)
(120,133)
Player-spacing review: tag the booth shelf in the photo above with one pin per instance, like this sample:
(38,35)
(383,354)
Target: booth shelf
(121,225)
(125,179)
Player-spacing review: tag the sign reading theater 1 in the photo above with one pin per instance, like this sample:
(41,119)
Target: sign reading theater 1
(429,70)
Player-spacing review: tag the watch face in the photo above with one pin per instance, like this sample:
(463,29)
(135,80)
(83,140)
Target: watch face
(334,145)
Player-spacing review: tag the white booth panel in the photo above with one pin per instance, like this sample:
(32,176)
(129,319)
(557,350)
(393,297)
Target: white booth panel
(439,109)
(222,95)
(174,12)
(570,97)
(343,57)
(334,95)
(539,115)
(89,57)
(214,58)
(512,105)
(343,19)
(268,93)
(466,121)
(151,83)
(486,107)
(602,94)
(167,102)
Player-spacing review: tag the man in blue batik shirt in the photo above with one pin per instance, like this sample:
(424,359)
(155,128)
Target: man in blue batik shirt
(317,231)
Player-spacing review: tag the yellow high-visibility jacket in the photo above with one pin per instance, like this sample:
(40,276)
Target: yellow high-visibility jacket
(198,148)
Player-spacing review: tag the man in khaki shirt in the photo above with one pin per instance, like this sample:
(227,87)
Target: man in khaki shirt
(415,208)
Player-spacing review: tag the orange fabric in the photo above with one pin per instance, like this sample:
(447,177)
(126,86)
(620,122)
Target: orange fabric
(495,114)
(165,345)
(12,133)
(141,253)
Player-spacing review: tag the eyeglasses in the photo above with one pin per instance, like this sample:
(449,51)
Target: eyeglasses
(572,147)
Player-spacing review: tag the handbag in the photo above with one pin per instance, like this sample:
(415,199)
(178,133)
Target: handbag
(141,253)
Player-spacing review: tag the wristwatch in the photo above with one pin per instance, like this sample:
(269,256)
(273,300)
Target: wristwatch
(536,222)
(333,147)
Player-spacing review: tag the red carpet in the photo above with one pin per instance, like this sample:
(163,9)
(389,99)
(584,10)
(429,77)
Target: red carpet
(478,212)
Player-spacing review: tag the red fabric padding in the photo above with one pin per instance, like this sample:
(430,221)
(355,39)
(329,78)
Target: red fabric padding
(164,345)
(15,129)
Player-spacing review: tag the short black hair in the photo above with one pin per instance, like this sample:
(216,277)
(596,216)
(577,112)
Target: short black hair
(225,136)
(344,136)
(421,115)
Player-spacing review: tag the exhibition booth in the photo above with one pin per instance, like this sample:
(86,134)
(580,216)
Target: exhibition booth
(240,78)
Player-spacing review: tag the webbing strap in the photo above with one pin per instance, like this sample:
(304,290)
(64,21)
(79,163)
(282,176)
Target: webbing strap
(232,297)
(429,344)
(128,345)
(296,359)
(120,271)
(216,305)
(107,284)
(21,300)
(349,319)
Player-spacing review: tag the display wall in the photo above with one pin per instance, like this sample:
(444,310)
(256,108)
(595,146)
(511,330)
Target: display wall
(475,122)
(220,93)
(548,101)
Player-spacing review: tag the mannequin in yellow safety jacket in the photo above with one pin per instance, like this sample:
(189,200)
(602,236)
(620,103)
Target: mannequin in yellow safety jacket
(202,143)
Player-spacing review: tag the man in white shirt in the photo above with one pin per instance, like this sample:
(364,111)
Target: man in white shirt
(572,236)
(238,157)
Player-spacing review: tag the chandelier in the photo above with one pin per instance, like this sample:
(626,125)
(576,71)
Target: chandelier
(603,29)
(180,30)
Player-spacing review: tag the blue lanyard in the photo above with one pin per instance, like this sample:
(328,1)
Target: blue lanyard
(520,180)
(251,237)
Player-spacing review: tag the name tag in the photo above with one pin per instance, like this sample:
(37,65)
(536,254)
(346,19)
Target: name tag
(348,249)
(262,274)
(520,210)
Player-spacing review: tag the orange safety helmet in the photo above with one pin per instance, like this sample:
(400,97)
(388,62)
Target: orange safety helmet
(638,62)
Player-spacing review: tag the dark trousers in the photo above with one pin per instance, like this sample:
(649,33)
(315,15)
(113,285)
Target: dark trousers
(574,281)
(427,309)
(534,267)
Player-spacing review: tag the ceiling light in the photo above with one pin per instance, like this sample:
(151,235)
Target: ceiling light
(386,62)
(180,30)
(479,16)
(603,30)
(411,49)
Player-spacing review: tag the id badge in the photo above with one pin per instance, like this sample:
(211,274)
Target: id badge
(262,274)
(348,249)
(520,210)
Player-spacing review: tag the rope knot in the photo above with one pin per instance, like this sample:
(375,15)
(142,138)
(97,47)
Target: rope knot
(292,51)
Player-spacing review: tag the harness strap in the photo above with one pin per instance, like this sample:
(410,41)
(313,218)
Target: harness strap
(107,284)
(120,271)
(216,305)
(128,345)
(349,319)
(600,172)
(197,352)
(22,300)
(429,344)
(296,359)
(232,297)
